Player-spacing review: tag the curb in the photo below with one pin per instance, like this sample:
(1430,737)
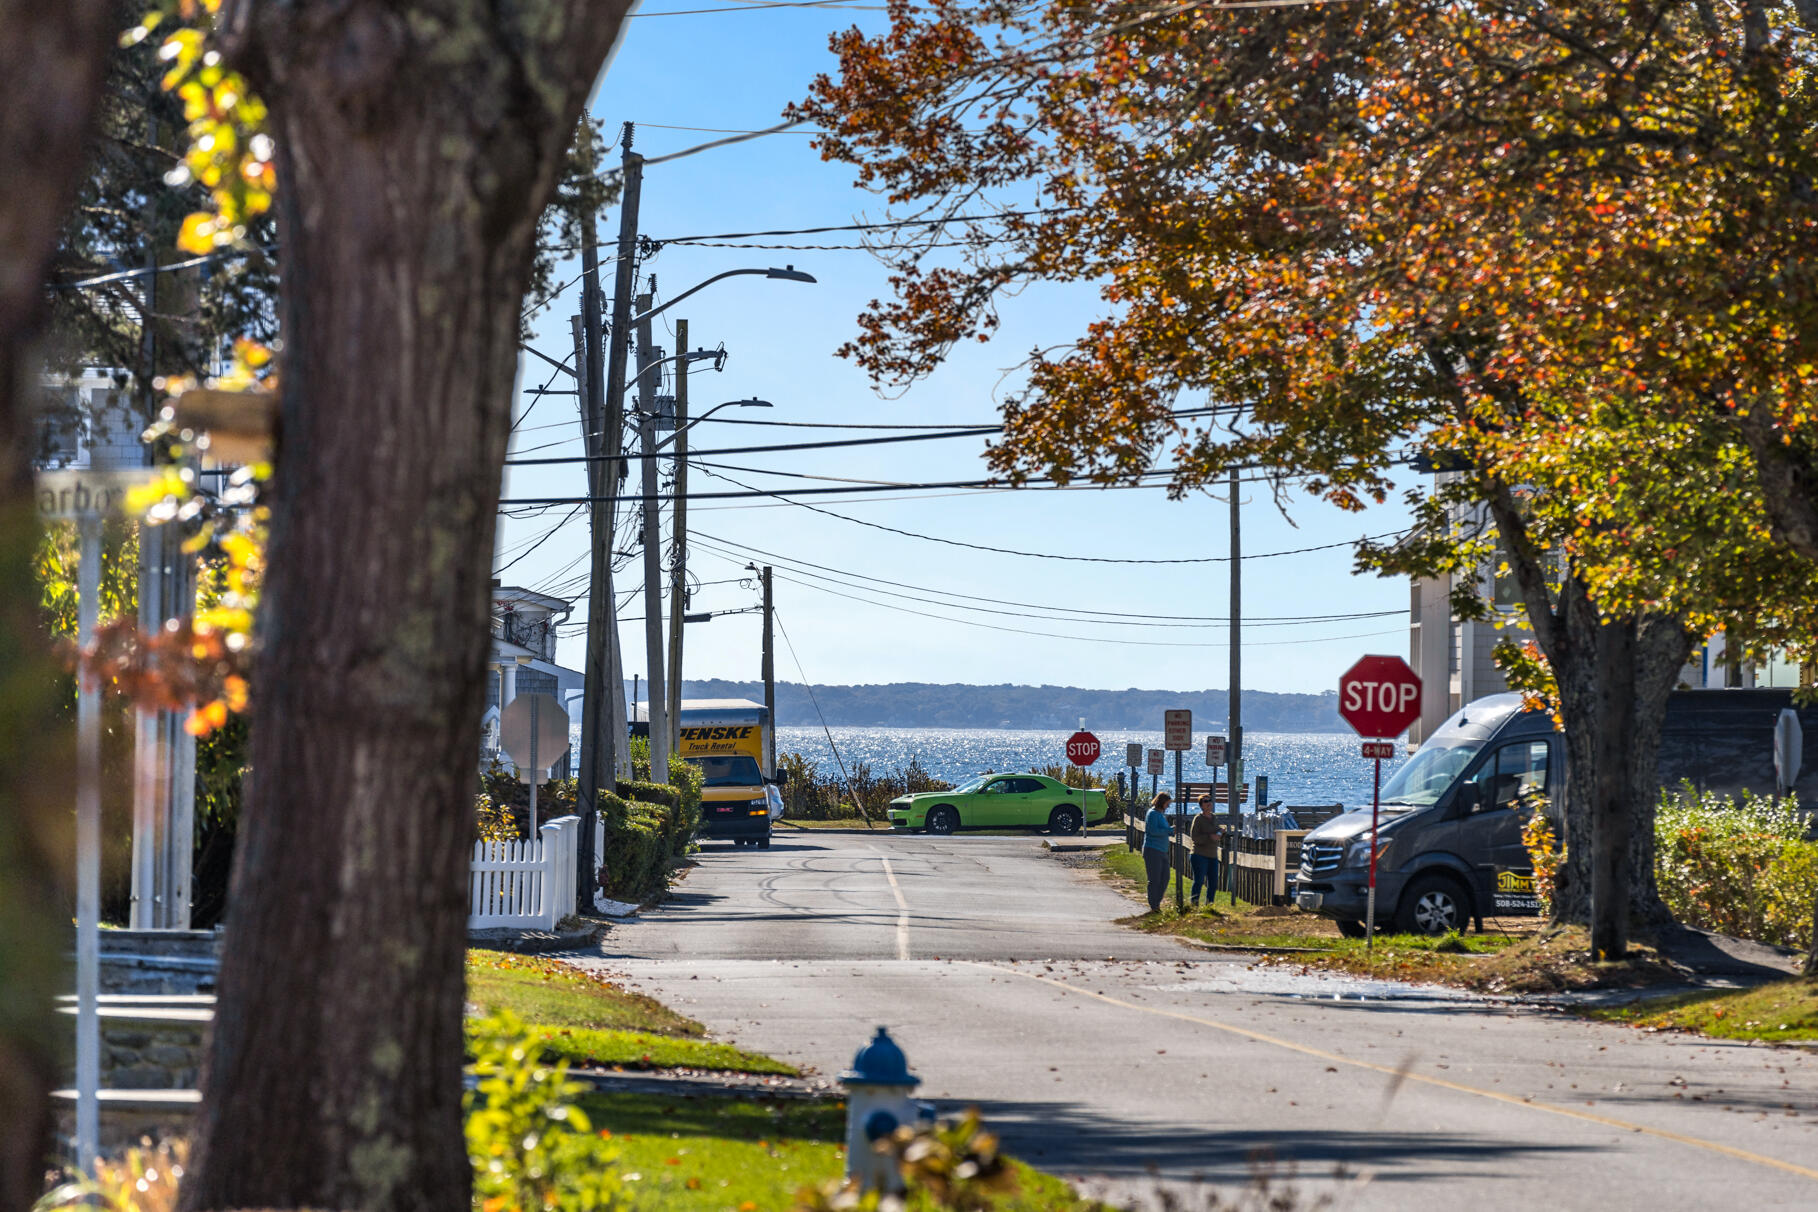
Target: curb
(701,1083)
(536,942)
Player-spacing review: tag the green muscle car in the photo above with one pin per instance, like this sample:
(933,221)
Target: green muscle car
(1000,801)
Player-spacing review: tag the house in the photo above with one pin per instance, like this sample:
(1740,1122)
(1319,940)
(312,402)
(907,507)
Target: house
(522,661)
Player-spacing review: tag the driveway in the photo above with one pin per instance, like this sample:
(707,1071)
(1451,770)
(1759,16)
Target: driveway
(1127,1060)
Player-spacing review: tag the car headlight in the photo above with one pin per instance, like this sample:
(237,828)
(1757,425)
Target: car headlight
(1357,854)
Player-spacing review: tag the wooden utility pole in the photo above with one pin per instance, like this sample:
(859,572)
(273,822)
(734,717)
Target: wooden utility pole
(654,654)
(769,673)
(601,384)
(1235,758)
(678,556)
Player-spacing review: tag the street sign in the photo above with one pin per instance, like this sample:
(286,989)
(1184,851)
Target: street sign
(1379,749)
(1379,696)
(1082,748)
(1155,760)
(1215,751)
(533,732)
(1133,754)
(1177,729)
(80,493)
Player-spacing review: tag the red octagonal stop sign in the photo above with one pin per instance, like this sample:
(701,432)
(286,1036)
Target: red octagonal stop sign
(1379,696)
(1082,749)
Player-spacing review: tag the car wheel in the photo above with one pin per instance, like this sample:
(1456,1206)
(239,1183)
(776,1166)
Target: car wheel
(1064,819)
(1351,929)
(942,820)
(1432,905)
(763,843)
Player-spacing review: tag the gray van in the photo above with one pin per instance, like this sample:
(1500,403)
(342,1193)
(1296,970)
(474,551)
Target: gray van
(1449,841)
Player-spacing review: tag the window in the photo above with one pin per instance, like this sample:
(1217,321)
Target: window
(1430,772)
(1025,786)
(1514,773)
(1000,787)
(733,770)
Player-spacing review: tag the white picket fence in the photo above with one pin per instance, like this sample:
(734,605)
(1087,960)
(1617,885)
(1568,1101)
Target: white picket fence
(528,884)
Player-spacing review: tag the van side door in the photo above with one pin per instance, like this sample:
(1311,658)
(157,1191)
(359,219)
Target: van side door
(1509,784)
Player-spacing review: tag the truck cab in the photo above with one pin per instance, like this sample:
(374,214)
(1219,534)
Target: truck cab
(1449,845)
(728,741)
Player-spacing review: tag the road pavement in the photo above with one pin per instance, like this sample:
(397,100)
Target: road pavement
(1128,1061)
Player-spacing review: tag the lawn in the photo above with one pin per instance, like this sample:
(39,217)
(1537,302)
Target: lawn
(734,1155)
(590,1021)
(1773,1013)
(1531,958)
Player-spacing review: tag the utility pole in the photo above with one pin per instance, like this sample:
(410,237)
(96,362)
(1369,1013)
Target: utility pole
(603,728)
(678,556)
(655,655)
(769,672)
(1235,758)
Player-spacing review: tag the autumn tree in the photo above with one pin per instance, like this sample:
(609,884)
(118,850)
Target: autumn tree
(1375,228)
(416,149)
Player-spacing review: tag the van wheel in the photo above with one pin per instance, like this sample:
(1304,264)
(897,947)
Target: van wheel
(1063,820)
(1432,905)
(1351,929)
(942,820)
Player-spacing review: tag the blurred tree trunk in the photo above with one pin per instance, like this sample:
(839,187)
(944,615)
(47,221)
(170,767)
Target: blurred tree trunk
(417,149)
(51,61)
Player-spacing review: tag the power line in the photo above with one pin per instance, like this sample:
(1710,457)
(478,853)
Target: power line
(783,446)
(1043,555)
(881,225)
(550,533)
(1118,615)
(660,500)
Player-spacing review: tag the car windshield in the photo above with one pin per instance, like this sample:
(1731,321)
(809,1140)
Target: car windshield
(733,770)
(971,785)
(1430,771)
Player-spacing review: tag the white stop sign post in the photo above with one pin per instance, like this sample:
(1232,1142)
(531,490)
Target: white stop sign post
(1379,697)
(533,732)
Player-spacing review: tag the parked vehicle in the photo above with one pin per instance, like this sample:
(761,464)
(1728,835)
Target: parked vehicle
(1449,843)
(728,739)
(998,801)
(1450,847)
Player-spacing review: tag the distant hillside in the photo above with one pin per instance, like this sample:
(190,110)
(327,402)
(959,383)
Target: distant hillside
(927,705)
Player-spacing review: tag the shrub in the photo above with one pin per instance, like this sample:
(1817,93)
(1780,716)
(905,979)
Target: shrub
(1738,866)
(526,1139)
(813,795)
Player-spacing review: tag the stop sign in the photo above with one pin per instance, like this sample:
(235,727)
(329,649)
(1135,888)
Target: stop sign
(1379,696)
(1082,749)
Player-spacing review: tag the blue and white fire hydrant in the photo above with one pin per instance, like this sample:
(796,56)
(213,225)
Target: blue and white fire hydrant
(877,1104)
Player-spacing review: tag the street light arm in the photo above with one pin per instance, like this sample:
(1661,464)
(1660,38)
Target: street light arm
(728,404)
(697,355)
(788,273)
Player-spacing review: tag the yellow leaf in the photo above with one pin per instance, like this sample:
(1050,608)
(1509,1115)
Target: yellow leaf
(198,233)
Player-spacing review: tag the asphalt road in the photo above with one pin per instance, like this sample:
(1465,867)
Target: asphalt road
(1126,1060)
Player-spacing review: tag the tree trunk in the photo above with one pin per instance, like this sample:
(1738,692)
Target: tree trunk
(418,147)
(51,62)
(1614,678)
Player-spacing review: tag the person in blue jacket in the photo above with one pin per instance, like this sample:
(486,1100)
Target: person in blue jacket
(1157,835)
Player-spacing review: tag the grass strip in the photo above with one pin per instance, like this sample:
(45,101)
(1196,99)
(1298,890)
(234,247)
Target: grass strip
(747,1155)
(586,1019)
(1779,1012)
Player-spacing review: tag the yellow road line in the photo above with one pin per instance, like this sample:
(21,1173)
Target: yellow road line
(1407,1075)
(902,909)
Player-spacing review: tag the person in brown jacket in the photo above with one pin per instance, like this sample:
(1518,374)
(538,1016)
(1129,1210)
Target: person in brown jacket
(1205,835)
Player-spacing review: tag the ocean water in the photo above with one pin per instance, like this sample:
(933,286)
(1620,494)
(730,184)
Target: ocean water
(1302,767)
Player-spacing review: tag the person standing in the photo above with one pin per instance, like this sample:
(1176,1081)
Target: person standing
(1157,835)
(1205,835)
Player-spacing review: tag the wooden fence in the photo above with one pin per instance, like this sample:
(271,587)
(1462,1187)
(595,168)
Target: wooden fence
(528,884)
(1253,869)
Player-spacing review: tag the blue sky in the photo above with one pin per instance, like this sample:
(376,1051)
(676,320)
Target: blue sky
(736,69)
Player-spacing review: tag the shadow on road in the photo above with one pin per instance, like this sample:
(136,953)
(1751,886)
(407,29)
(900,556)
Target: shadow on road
(1074,1140)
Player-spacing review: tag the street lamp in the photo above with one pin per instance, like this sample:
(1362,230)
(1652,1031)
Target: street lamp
(682,454)
(788,273)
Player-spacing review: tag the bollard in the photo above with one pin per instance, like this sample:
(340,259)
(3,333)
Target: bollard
(877,1103)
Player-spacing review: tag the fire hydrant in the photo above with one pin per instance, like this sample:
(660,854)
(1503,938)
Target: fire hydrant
(877,1104)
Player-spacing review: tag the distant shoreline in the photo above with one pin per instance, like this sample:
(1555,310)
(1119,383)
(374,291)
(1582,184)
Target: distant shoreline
(959,706)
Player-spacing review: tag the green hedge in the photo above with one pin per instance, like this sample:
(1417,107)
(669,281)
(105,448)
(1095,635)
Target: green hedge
(1740,867)
(649,828)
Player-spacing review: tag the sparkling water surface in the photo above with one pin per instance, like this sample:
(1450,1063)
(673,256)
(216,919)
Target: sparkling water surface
(1302,767)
